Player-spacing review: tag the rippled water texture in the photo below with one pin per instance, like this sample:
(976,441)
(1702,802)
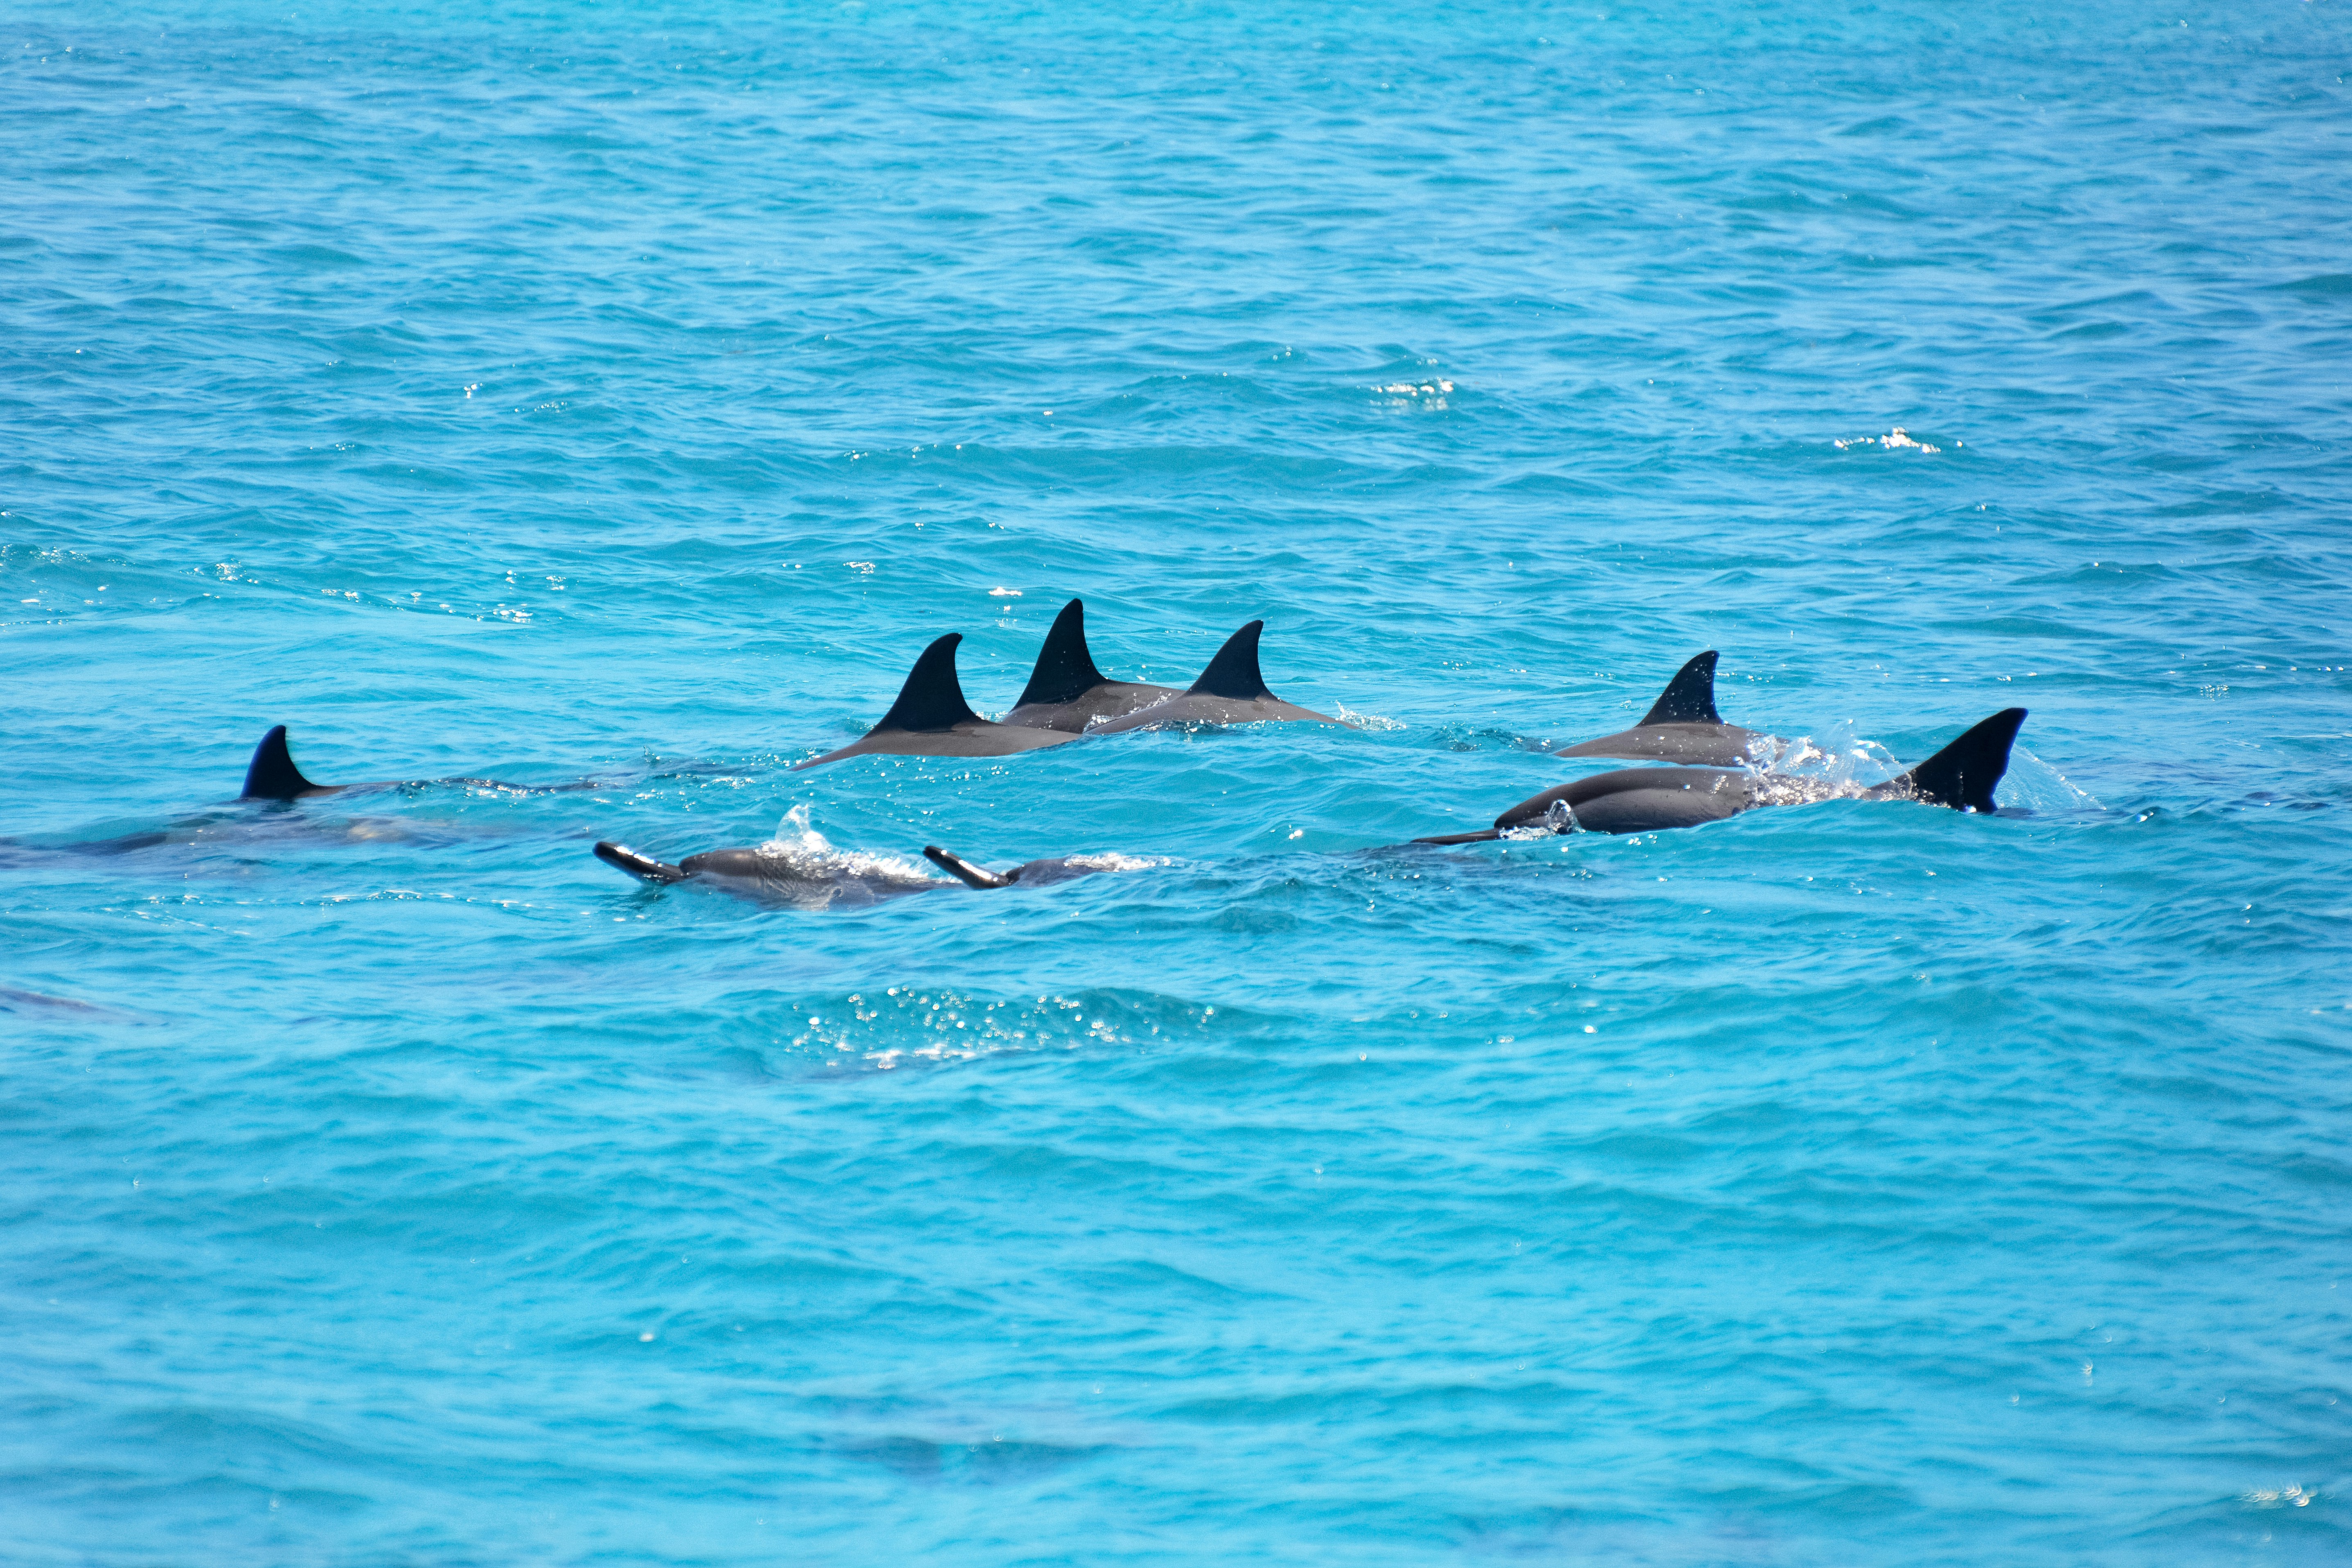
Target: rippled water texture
(546,394)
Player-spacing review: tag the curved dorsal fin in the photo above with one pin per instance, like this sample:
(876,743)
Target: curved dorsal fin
(1233,673)
(1963,774)
(272,775)
(932,698)
(1689,697)
(964,870)
(1066,670)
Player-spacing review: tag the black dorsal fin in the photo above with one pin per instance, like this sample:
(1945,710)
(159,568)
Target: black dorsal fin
(1689,697)
(1233,673)
(1963,774)
(964,870)
(1066,670)
(932,698)
(272,775)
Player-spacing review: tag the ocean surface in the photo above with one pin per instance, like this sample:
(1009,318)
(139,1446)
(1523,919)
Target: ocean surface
(547,393)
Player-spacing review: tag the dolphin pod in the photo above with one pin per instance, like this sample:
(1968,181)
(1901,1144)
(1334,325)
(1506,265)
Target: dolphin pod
(1067,695)
(1962,775)
(1066,691)
(1646,800)
(1682,727)
(1716,769)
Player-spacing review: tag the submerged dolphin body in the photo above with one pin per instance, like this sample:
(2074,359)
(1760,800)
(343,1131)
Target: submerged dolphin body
(1066,691)
(1647,800)
(813,875)
(224,835)
(271,781)
(1230,692)
(1682,726)
(253,818)
(931,718)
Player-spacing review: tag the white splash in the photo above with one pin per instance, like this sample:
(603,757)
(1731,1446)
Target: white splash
(1111,861)
(800,867)
(1893,440)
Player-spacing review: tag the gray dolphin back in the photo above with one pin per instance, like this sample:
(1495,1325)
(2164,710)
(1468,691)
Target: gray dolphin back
(1683,726)
(1639,800)
(1232,690)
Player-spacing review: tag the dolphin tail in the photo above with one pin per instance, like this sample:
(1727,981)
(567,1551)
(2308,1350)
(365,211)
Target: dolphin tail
(272,775)
(637,865)
(1065,667)
(1963,774)
(1689,697)
(964,870)
(1483,835)
(1233,673)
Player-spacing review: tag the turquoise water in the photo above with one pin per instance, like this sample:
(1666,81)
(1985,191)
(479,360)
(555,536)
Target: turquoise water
(551,393)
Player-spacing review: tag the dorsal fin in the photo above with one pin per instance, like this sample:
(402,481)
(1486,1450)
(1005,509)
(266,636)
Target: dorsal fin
(1963,774)
(1689,697)
(272,775)
(1233,673)
(1066,670)
(932,698)
(964,870)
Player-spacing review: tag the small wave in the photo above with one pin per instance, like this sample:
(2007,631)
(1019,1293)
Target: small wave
(1840,764)
(907,1025)
(1835,760)
(1372,722)
(1110,860)
(2036,786)
(800,867)
(1411,393)
(1895,439)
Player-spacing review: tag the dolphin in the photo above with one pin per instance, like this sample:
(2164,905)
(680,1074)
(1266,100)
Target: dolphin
(1065,690)
(812,874)
(272,775)
(931,718)
(258,816)
(1230,692)
(1682,726)
(1647,800)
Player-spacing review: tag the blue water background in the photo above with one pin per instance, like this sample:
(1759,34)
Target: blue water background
(549,392)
